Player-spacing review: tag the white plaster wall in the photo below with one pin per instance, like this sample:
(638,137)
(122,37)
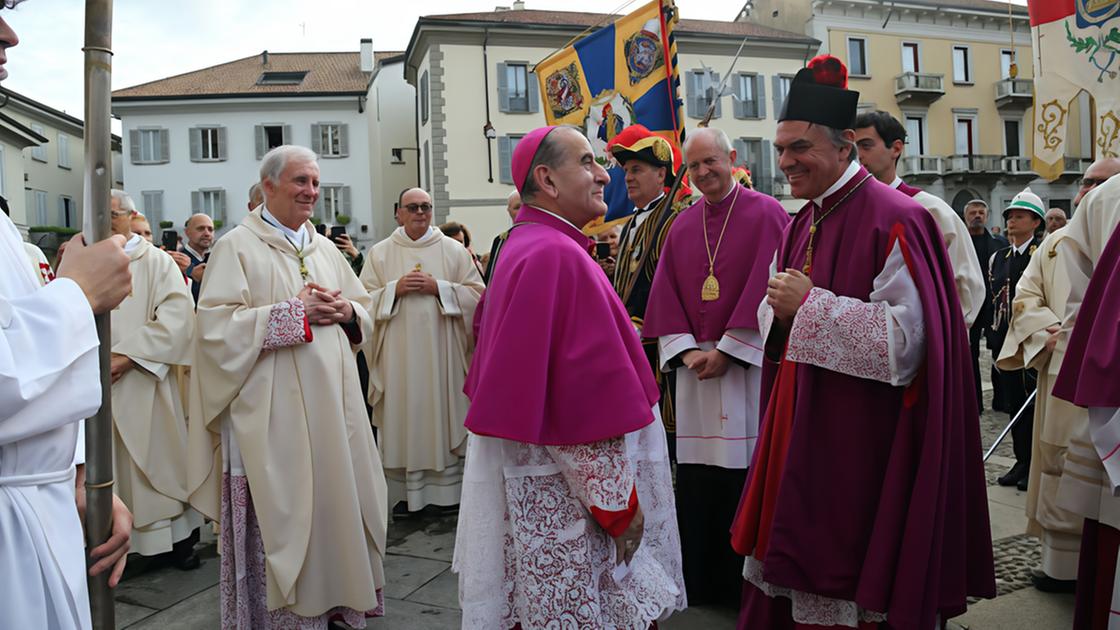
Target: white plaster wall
(49,176)
(13,183)
(236,174)
(392,124)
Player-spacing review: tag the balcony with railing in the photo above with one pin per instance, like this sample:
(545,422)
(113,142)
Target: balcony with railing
(1014,94)
(918,88)
(1075,166)
(921,165)
(1017,165)
(974,164)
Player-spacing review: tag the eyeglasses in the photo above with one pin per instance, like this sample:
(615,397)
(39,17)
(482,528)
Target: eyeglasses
(120,213)
(1091,182)
(418,208)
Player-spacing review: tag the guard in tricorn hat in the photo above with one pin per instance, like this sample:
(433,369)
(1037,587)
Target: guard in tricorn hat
(650,163)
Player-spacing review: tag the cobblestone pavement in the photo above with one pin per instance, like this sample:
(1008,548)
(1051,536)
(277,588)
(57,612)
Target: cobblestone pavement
(421,592)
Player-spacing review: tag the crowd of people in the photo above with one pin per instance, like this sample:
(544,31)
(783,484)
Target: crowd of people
(716,404)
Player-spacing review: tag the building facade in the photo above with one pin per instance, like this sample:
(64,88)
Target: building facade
(472,72)
(42,162)
(945,70)
(193,142)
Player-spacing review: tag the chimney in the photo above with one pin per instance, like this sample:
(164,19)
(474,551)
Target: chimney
(264,57)
(367,55)
(519,5)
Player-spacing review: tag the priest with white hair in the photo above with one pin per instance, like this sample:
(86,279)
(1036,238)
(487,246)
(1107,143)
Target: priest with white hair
(280,447)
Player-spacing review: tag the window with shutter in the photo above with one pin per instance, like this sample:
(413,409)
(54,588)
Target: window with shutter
(134,145)
(534,93)
(39,151)
(152,201)
(164,145)
(694,97)
(506,145)
(760,95)
(424,98)
(330,139)
(516,85)
(745,88)
(148,146)
(63,150)
(195,136)
(503,89)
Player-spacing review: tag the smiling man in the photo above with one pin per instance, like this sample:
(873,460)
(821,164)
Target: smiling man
(865,502)
(567,517)
(280,447)
(424,288)
(703,313)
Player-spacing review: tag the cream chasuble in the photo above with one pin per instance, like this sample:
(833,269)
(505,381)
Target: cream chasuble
(153,326)
(418,359)
(295,418)
(1040,302)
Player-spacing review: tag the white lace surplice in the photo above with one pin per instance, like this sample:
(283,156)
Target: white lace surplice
(528,550)
(882,340)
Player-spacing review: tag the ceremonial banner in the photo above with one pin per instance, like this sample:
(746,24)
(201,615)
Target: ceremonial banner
(1076,47)
(622,74)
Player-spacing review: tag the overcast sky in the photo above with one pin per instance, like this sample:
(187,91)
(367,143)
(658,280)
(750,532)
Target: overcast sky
(153,39)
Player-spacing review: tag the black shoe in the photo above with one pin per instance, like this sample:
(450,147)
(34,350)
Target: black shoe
(1047,584)
(188,563)
(1021,485)
(1017,472)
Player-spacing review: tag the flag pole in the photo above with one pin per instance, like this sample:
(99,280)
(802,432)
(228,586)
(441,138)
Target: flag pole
(98,180)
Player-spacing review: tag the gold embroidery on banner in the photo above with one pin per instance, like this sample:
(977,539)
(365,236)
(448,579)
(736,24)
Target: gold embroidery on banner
(1108,135)
(1053,117)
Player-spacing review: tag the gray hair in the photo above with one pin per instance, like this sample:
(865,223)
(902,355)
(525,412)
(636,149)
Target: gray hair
(123,199)
(716,135)
(255,190)
(977,202)
(836,136)
(276,160)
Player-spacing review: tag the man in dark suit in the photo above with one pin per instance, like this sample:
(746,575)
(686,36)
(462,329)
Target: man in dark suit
(986,244)
(1024,215)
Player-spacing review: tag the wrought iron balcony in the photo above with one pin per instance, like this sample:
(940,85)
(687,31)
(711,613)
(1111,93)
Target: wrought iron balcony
(1014,94)
(917,88)
(974,164)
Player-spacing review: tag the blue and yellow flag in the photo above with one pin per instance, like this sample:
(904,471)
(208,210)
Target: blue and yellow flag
(620,75)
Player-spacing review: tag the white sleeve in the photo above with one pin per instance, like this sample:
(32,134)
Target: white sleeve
(49,370)
(385,305)
(765,311)
(742,343)
(1104,428)
(882,339)
(448,301)
(670,346)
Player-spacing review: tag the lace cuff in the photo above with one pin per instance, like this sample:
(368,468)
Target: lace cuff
(601,477)
(287,325)
(841,334)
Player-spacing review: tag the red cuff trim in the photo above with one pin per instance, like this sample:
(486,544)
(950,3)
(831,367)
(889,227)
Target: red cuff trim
(306,329)
(616,521)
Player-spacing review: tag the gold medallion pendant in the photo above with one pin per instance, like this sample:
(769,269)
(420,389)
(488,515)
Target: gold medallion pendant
(710,291)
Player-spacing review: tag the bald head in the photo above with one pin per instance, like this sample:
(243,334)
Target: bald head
(200,232)
(1055,219)
(1098,173)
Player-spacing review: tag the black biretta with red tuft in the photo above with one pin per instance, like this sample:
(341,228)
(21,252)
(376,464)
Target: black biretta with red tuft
(819,94)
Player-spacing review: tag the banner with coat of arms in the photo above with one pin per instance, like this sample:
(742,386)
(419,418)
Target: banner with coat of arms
(622,74)
(1076,47)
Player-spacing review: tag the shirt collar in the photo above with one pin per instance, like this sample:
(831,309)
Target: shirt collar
(649,205)
(299,237)
(849,173)
(553,214)
(193,252)
(897,182)
(132,244)
(1019,249)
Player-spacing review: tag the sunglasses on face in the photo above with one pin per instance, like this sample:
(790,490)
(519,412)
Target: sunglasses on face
(418,208)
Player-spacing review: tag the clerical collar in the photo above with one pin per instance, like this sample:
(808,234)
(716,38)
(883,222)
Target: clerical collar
(1021,249)
(649,205)
(422,236)
(555,215)
(853,168)
(132,244)
(193,252)
(298,237)
(897,182)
